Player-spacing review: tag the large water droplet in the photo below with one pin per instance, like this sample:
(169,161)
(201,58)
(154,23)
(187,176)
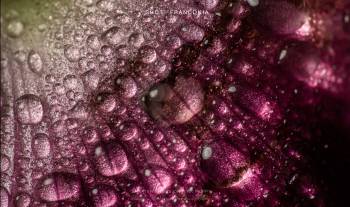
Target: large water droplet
(15,28)
(4,197)
(5,163)
(280,17)
(59,186)
(105,5)
(29,109)
(173,41)
(222,163)
(192,33)
(41,145)
(104,196)
(136,39)
(147,54)
(111,159)
(72,53)
(209,4)
(35,62)
(113,35)
(106,102)
(23,200)
(91,79)
(127,86)
(158,180)
(178,104)
(93,42)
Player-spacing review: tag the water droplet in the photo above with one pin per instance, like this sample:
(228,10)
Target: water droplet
(104,196)
(178,104)
(106,102)
(113,35)
(127,85)
(111,159)
(15,28)
(41,145)
(136,39)
(23,200)
(5,163)
(209,4)
(105,5)
(173,41)
(93,42)
(129,131)
(72,53)
(206,153)
(35,62)
(158,180)
(4,197)
(253,3)
(147,54)
(29,109)
(91,79)
(232,89)
(59,186)
(222,162)
(70,82)
(80,110)
(192,33)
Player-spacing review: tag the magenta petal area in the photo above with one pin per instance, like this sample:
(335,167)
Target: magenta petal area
(176,103)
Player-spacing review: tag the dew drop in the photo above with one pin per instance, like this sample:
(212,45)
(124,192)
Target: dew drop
(72,53)
(136,39)
(147,54)
(93,42)
(178,104)
(111,159)
(158,180)
(4,197)
(104,196)
(5,163)
(127,86)
(253,3)
(15,28)
(29,109)
(173,41)
(23,200)
(207,153)
(192,33)
(113,36)
(59,186)
(35,62)
(209,4)
(91,79)
(41,145)
(222,163)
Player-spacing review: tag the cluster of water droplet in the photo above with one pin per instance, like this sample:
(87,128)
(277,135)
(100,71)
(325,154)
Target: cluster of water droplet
(126,108)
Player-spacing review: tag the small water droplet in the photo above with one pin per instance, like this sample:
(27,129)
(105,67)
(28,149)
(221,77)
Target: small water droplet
(41,145)
(35,62)
(5,163)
